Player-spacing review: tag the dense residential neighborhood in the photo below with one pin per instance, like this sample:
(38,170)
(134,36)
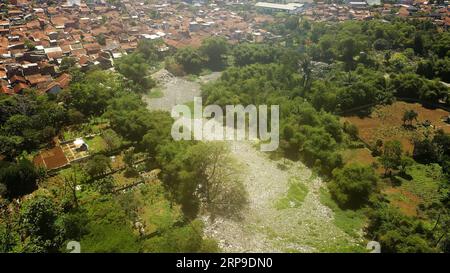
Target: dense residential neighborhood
(36,37)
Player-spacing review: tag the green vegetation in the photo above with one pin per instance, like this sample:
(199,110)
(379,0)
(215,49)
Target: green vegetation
(316,73)
(294,197)
(135,68)
(211,55)
(352,185)
(349,68)
(155,93)
(350,221)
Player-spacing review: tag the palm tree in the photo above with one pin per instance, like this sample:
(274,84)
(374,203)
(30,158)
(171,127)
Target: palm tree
(305,70)
(409,115)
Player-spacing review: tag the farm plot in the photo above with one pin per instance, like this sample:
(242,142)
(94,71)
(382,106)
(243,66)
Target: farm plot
(385,123)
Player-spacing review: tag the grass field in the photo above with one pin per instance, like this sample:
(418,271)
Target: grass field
(294,197)
(420,187)
(360,155)
(155,93)
(403,199)
(350,221)
(386,123)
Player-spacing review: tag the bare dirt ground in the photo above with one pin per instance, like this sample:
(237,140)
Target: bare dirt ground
(386,123)
(263,227)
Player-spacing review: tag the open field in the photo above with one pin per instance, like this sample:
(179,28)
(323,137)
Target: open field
(360,155)
(386,123)
(403,199)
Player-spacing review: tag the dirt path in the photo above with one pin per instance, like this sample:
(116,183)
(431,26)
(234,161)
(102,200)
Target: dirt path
(308,227)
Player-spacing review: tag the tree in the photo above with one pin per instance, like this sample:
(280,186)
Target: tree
(381,44)
(348,48)
(98,165)
(392,155)
(351,130)
(104,185)
(112,139)
(9,236)
(101,39)
(149,50)
(190,59)
(359,96)
(108,229)
(89,98)
(305,70)
(202,174)
(396,232)
(352,185)
(129,158)
(409,115)
(158,133)
(135,68)
(246,54)
(215,49)
(38,219)
(20,178)
(418,44)
(217,175)
(67,63)
(72,178)
(29,45)
(425,151)
(3,190)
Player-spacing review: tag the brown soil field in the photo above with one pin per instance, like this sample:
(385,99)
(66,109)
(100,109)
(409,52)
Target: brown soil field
(404,200)
(386,123)
(361,156)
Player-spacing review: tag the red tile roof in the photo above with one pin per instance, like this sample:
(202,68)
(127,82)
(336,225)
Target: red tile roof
(19,87)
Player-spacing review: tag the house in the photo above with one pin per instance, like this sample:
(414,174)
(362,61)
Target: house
(38,79)
(18,88)
(30,69)
(53,52)
(92,48)
(50,88)
(357,5)
(4,89)
(64,80)
(17,79)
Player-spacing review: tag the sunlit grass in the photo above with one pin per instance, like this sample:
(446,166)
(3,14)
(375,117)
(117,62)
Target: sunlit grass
(350,221)
(294,197)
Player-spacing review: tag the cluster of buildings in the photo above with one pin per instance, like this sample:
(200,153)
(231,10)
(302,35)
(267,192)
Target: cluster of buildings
(37,35)
(320,10)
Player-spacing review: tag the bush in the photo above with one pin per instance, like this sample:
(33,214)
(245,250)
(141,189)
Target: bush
(352,185)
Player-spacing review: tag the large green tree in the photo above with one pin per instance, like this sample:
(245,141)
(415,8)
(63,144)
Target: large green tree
(352,185)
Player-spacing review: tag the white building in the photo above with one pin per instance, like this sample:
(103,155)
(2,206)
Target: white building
(290,7)
(73,2)
(357,5)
